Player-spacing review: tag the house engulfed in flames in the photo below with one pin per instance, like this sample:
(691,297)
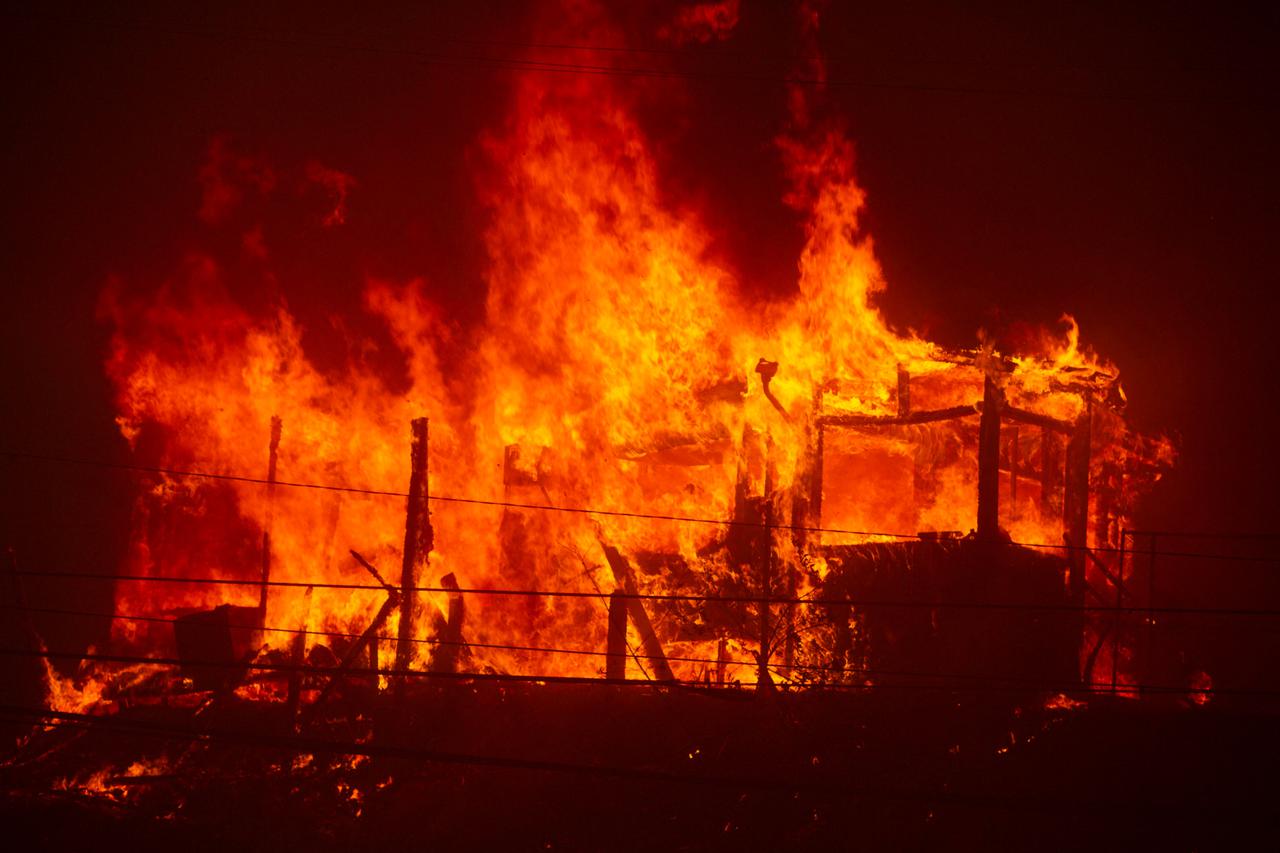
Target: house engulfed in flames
(622,419)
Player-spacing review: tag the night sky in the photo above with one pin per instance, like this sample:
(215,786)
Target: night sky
(1018,164)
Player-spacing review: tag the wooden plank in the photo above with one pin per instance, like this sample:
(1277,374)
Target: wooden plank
(273,455)
(448,650)
(657,658)
(1022,416)
(920,417)
(1075,501)
(417,544)
(615,668)
(989,462)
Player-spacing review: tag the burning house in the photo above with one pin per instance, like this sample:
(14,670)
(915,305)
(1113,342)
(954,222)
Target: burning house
(637,513)
(794,495)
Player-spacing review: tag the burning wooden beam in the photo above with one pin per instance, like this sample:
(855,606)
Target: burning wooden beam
(815,476)
(615,668)
(1013,467)
(989,462)
(273,453)
(1022,416)
(418,541)
(919,417)
(1050,475)
(639,616)
(358,648)
(1075,502)
(297,656)
(448,650)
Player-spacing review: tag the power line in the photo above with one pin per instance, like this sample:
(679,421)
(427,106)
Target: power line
(780,668)
(990,683)
(680,597)
(123,617)
(610,513)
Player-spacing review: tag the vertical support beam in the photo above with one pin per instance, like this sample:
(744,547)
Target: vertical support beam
(615,666)
(989,462)
(639,616)
(297,656)
(904,392)
(766,564)
(805,507)
(417,544)
(272,457)
(1104,505)
(722,660)
(1075,501)
(1014,452)
(919,488)
(815,483)
(1115,626)
(1050,475)
(766,572)
(448,649)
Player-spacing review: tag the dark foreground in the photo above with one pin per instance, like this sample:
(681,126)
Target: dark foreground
(585,767)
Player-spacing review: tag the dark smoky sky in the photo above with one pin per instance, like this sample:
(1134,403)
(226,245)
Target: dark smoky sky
(1019,162)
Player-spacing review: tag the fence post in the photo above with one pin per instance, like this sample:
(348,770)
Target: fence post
(417,544)
(616,645)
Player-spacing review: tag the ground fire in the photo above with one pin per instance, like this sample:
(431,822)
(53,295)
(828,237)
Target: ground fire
(626,476)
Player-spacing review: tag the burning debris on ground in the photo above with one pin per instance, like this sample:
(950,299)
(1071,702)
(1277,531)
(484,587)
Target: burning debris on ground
(630,557)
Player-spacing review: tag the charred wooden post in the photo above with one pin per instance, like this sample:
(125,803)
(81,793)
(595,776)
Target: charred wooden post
(766,583)
(1050,474)
(769,566)
(806,496)
(615,667)
(1115,633)
(904,392)
(525,535)
(273,451)
(815,476)
(297,656)
(358,648)
(904,411)
(417,544)
(1104,506)
(1075,501)
(449,645)
(722,660)
(639,616)
(1013,466)
(989,462)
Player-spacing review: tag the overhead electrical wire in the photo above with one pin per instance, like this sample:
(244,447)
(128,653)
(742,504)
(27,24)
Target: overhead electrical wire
(985,683)
(608,513)
(670,597)
(780,668)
